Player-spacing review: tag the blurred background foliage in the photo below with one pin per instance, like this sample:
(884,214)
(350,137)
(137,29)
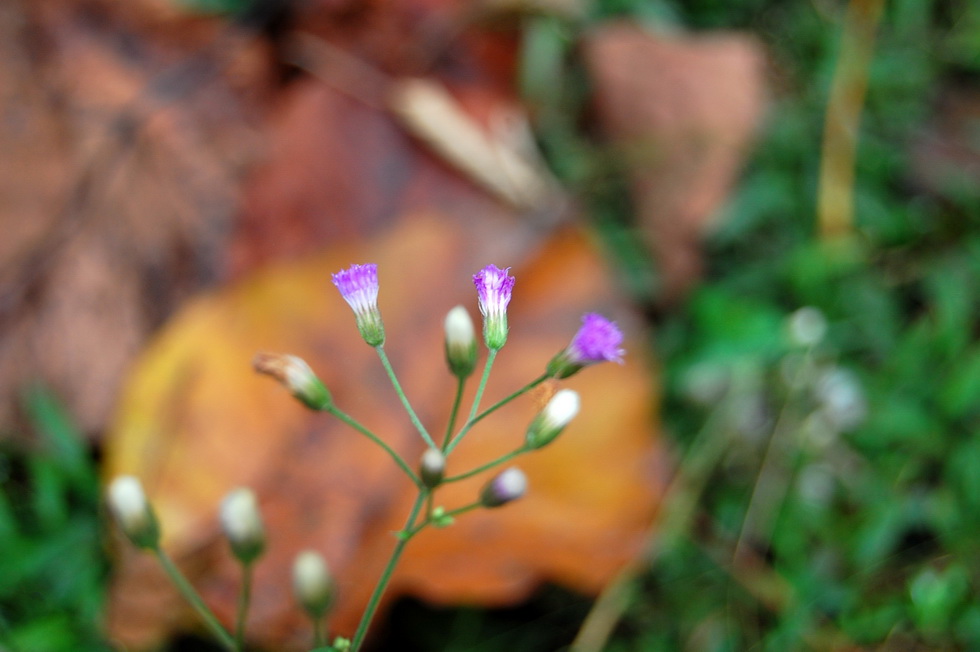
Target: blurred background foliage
(828,460)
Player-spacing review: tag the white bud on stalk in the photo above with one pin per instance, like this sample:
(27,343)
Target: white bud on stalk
(509,485)
(460,342)
(242,524)
(312,585)
(558,413)
(132,511)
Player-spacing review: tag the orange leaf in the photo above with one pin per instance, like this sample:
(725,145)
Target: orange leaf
(196,422)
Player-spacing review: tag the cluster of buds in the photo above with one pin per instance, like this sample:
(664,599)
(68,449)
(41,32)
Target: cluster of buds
(597,340)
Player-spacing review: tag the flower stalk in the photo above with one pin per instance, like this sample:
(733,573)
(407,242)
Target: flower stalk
(597,340)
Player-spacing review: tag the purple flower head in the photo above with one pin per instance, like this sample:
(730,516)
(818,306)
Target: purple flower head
(494,287)
(597,340)
(359,286)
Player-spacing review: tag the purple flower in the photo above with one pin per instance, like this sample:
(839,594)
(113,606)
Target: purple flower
(359,286)
(494,287)
(598,340)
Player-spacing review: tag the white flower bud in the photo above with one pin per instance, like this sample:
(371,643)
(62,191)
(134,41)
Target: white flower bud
(432,467)
(312,585)
(510,484)
(460,342)
(296,376)
(242,524)
(549,423)
(128,504)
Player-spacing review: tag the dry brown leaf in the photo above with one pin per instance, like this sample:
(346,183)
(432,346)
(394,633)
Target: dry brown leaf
(497,160)
(338,169)
(683,110)
(195,423)
(123,168)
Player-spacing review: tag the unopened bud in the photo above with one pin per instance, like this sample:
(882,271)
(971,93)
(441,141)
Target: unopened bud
(432,467)
(460,342)
(312,585)
(133,512)
(510,484)
(296,376)
(242,525)
(549,423)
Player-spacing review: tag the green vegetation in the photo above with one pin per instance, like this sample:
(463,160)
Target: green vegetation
(53,573)
(835,485)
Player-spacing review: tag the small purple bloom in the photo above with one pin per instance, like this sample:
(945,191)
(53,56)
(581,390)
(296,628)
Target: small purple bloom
(359,286)
(494,287)
(598,340)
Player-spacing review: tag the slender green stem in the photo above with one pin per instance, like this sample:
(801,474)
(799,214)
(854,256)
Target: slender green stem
(491,356)
(319,639)
(473,420)
(356,425)
(450,514)
(464,509)
(460,383)
(404,537)
(401,395)
(489,465)
(185,588)
(243,599)
(504,401)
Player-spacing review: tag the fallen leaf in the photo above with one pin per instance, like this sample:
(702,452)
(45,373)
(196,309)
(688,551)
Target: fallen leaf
(503,160)
(124,156)
(683,110)
(195,422)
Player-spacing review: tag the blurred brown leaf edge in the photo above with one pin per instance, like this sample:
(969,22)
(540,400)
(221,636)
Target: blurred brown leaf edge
(682,111)
(195,423)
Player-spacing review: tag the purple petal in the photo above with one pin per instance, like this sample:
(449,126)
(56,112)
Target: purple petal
(494,288)
(598,340)
(359,286)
